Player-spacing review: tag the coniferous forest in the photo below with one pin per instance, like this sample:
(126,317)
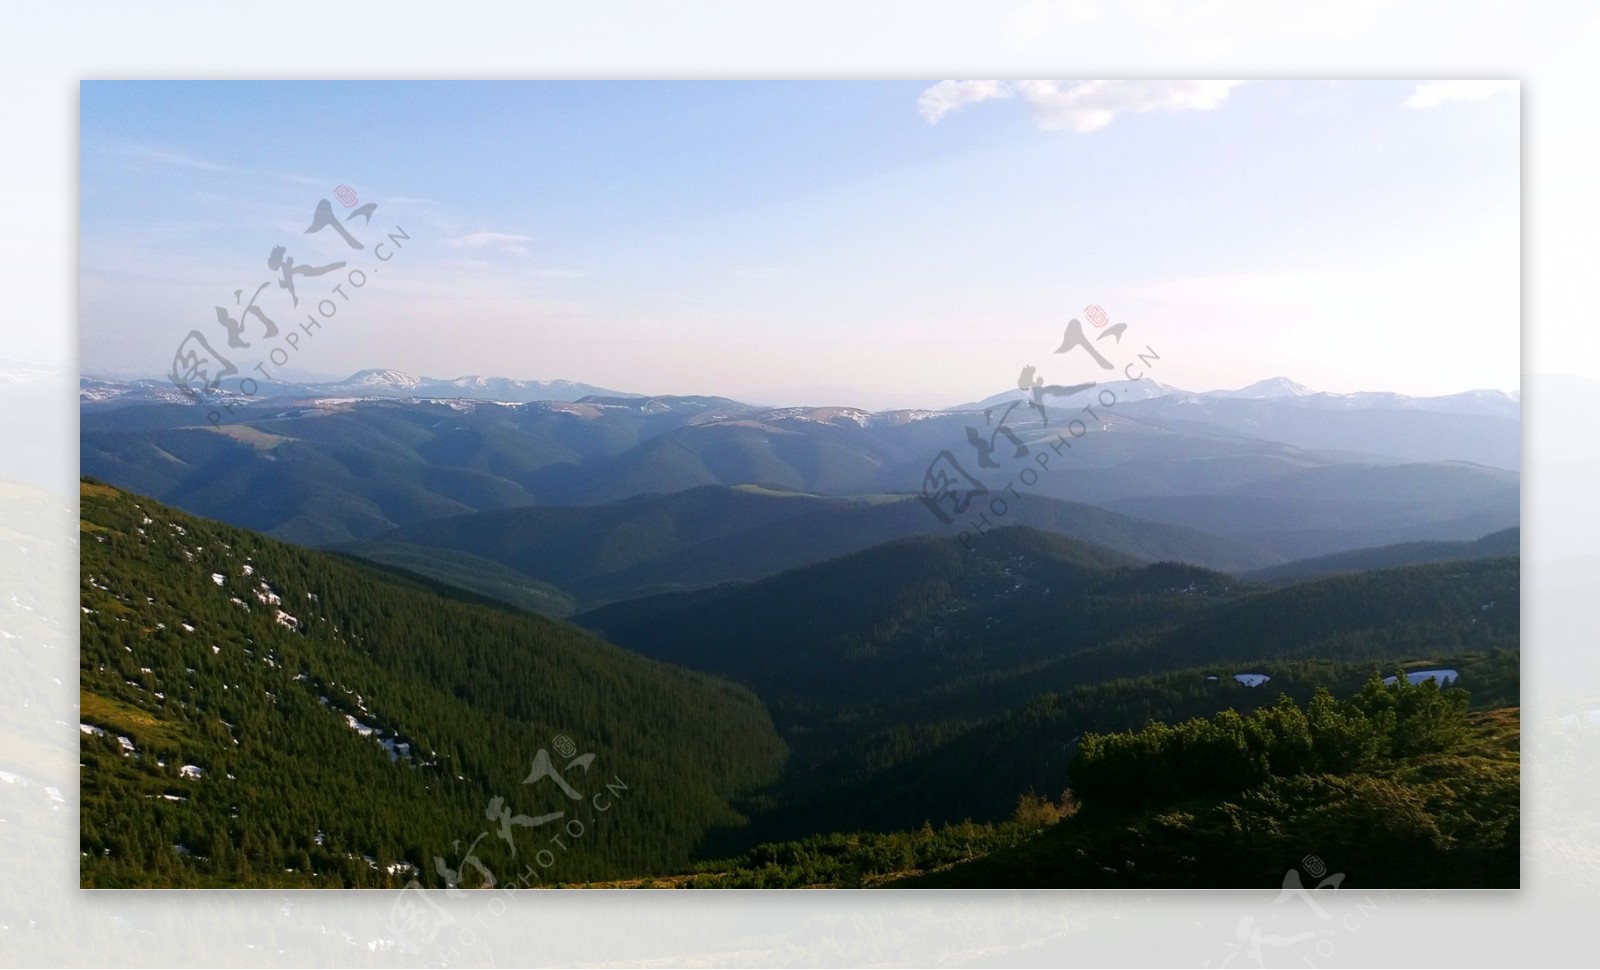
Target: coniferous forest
(1024,709)
(258,714)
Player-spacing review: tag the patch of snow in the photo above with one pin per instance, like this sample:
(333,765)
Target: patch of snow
(1251,680)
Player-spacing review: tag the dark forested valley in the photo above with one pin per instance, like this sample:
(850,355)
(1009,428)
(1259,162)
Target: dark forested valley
(1024,707)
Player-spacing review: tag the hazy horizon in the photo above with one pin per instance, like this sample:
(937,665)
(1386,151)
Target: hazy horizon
(759,396)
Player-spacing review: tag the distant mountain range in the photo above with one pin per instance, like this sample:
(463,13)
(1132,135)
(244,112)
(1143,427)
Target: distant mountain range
(1140,390)
(1288,477)
(1281,390)
(386,383)
(375,382)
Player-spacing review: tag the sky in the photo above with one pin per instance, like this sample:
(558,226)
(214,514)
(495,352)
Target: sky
(884,243)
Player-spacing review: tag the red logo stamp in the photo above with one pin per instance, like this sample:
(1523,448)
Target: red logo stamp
(347,195)
(1096,315)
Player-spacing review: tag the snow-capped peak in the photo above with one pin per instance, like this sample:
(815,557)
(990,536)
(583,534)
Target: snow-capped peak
(1271,387)
(378,377)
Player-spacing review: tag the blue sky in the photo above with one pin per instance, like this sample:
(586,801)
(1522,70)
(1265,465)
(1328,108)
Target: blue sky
(915,241)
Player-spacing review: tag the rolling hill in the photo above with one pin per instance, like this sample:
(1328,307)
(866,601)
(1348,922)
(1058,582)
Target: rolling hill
(921,660)
(1321,510)
(1506,542)
(706,535)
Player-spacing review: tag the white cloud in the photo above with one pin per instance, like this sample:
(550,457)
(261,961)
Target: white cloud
(1430,94)
(175,159)
(947,96)
(1081,106)
(179,159)
(505,242)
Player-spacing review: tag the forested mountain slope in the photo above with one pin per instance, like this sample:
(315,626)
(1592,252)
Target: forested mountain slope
(259,714)
(1506,542)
